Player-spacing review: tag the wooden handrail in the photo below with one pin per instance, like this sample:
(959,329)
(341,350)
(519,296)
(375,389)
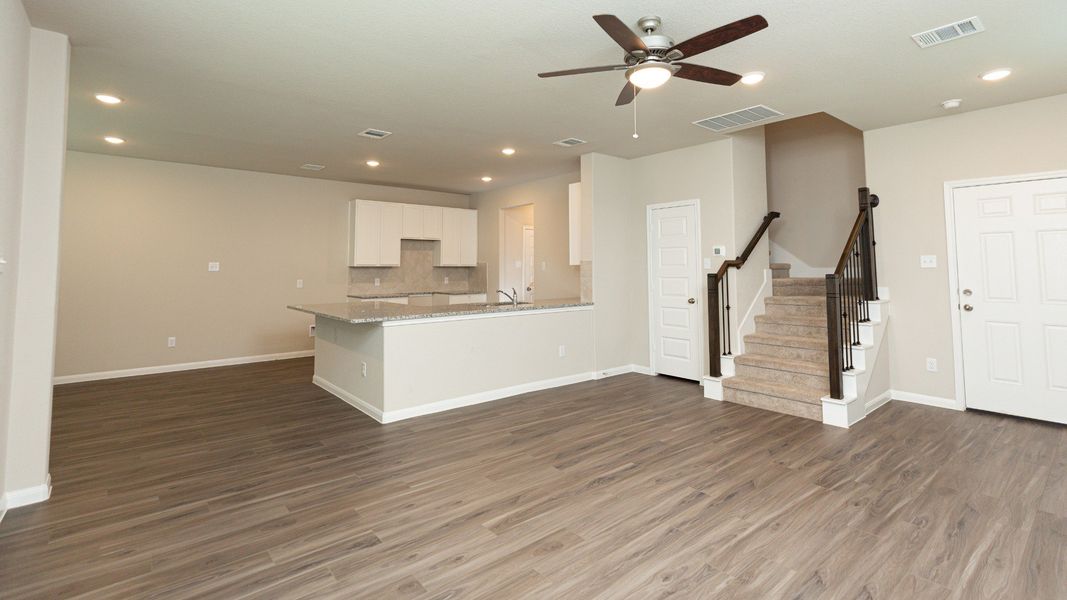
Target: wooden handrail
(719,315)
(853,235)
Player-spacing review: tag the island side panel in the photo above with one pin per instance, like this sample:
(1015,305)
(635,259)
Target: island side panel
(437,365)
(340,351)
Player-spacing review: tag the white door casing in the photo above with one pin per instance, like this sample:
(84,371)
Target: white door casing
(1011,270)
(675,325)
(527,291)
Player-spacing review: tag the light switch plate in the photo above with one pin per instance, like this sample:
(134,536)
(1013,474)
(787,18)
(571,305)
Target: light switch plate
(299,284)
(213,266)
(928,261)
(378,282)
(931,365)
(707,263)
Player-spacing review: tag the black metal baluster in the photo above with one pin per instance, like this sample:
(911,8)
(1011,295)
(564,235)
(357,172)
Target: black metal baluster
(726,283)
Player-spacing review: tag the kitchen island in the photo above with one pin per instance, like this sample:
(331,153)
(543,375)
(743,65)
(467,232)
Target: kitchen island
(395,361)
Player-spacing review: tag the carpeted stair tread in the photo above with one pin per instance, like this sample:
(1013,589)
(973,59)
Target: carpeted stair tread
(805,300)
(810,342)
(792,320)
(783,364)
(796,393)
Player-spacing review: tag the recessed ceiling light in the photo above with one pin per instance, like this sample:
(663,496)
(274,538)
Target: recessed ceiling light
(109,99)
(507,151)
(114,140)
(752,78)
(373,163)
(995,74)
(487,179)
(950,104)
(312,167)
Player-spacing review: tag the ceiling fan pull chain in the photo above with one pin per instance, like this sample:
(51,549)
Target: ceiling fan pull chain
(635,113)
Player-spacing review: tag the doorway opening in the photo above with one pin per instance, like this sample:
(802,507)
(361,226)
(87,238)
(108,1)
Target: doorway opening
(517,251)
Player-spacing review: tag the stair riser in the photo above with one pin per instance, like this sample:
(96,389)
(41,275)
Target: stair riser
(788,329)
(787,352)
(776,376)
(796,310)
(772,403)
(799,290)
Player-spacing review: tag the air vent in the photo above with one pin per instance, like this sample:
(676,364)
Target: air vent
(567,143)
(947,33)
(375,134)
(739,118)
(312,167)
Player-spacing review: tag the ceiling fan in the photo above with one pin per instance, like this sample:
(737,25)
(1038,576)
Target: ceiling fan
(650,60)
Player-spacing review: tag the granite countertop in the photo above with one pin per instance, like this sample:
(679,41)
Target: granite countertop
(378,312)
(405,294)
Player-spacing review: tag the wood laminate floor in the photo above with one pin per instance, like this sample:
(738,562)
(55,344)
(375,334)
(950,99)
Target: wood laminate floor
(249,481)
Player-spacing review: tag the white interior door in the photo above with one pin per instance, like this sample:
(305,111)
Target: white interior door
(527,291)
(1011,254)
(674,255)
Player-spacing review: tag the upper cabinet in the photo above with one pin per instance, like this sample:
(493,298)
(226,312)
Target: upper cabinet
(422,222)
(375,233)
(459,238)
(376,229)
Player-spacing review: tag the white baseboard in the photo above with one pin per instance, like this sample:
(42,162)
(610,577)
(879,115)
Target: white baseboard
(26,496)
(392,416)
(937,401)
(204,364)
(797,267)
(713,388)
(879,401)
(622,370)
(352,399)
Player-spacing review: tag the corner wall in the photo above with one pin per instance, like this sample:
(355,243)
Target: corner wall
(907,166)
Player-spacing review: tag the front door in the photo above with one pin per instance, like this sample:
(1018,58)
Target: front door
(1011,249)
(674,255)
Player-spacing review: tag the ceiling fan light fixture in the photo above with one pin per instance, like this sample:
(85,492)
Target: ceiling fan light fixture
(753,78)
(649,75)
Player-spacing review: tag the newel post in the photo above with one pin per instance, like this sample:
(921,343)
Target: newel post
(714,352)
(868,264)
(834,344)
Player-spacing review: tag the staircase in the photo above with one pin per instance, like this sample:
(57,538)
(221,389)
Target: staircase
(785,364)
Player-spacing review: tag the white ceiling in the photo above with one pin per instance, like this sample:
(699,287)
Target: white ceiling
(268,85)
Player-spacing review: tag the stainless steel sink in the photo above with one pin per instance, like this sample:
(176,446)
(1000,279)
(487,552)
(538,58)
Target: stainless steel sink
(493,304)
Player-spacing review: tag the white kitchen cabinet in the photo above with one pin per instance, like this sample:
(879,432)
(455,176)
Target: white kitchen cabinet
(375,229)
(459,238)
(422,222)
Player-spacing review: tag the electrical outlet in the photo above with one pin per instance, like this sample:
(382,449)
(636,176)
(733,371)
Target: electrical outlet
(311,330)
(172,342)
(377,282)
(446,279)
(299,284)
(707,263)
(213,267)
(928,261)
(544,265)
(562,351)
(931,365)
(363,369)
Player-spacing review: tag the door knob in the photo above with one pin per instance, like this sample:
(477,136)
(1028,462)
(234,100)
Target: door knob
(692,300)
(967,292)
(968,307)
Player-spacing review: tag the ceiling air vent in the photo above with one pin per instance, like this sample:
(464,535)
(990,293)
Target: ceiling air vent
(312,167)
(947,33)
(567,143)
(375,134)
(738,118)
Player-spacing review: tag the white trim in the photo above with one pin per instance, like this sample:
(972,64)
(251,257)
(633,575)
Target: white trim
(3,506)
(352,399)
(492,315)
(698,331)
(27,496)
(797,267)
(936,401)
(391,416)
(622,370)
(960,403)
(878,401)
(845,412)
(204,364)
(757,307)
(713,388)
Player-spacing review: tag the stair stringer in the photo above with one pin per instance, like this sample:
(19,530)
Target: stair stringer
(859,400)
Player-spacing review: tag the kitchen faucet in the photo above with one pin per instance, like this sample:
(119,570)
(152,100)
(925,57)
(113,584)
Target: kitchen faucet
(513,296)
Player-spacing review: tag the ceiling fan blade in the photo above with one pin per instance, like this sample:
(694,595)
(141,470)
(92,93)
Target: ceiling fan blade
(623,35)
(706,74)
(721,35)
(626,96)
(582,70)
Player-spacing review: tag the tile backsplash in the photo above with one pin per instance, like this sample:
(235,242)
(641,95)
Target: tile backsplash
(416,273)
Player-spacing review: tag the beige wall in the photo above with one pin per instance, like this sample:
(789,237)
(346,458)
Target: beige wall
(814,167)
(727,176)
(33,111)
(907,167)
(137,237)
(14,71)
(551,235)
